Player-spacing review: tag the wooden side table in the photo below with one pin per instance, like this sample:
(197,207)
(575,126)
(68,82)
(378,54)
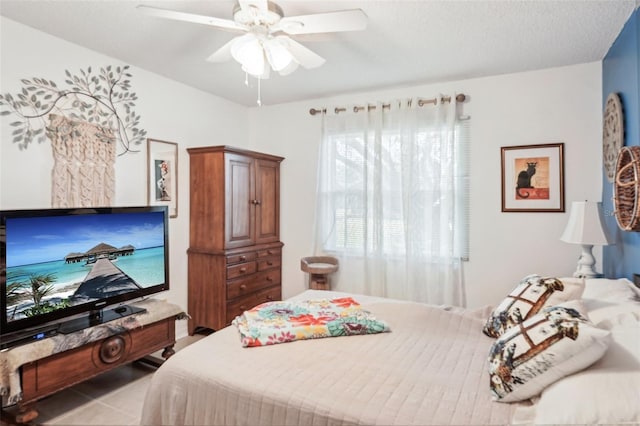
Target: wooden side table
(51,365)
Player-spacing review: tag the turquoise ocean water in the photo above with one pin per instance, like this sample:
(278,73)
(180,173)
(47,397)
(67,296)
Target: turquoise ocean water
(145,266)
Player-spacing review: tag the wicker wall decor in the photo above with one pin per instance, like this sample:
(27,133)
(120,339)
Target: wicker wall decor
(626,189)
(84,156)
(612,134)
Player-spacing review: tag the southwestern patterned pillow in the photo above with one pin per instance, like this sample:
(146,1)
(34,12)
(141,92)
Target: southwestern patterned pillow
(555,343)
(528,298)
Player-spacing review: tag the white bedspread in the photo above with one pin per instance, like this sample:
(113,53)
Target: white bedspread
(430,369)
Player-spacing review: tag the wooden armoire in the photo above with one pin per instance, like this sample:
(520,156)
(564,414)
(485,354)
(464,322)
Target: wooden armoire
(235,253)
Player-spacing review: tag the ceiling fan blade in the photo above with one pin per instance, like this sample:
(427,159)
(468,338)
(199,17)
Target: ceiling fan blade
(224,53)
(191,17)
(344,20)
(302,54)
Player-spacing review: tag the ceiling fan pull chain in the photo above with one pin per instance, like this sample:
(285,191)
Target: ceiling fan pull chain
(259,94)
(246,79)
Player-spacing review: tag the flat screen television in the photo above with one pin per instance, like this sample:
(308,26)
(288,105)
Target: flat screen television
(67,269)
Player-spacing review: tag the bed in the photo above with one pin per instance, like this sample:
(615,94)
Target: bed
(431,368)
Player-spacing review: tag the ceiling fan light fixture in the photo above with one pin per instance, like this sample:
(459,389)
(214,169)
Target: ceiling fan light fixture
(277,54)
(266,72)
(248,51)
(257,68)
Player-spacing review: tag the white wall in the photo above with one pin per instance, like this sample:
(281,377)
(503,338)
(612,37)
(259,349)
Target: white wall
(547,106)
(555,105)
(169,111)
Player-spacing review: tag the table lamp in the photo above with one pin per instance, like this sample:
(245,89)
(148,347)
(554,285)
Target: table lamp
(585,227)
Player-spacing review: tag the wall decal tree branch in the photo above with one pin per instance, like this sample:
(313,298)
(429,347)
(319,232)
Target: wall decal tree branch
(103,99)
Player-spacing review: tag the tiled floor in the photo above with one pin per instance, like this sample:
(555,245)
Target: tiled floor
(113,398)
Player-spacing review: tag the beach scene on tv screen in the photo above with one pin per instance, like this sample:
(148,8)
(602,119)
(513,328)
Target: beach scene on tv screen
(56,262)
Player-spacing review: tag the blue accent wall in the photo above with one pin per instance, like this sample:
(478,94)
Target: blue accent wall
(621,74)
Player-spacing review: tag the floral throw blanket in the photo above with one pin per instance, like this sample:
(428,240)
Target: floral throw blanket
(280,322)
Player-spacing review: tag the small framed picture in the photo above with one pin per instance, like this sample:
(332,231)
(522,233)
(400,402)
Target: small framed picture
(533,178)
(162,175)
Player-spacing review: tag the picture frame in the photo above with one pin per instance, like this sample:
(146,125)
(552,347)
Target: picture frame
(162,175)
(533,178)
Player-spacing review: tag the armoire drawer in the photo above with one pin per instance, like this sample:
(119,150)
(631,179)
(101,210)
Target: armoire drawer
(274,251)
(268,263)
(238,306)
(240,270)
(241,257)
(243,286)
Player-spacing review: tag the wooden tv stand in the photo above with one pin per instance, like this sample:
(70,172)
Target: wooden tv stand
(45,376)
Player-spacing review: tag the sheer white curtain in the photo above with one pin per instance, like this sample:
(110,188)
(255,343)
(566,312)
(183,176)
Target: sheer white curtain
(392,199)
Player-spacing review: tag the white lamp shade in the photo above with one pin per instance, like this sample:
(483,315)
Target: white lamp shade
(248,51)
(585,225)
(277,54)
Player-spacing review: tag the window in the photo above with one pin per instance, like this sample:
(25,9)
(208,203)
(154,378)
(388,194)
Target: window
(396,192)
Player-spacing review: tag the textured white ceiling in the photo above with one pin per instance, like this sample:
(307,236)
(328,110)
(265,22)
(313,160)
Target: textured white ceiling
(405,43)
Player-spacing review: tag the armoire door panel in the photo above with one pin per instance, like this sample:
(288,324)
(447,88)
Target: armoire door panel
(240,212)
(267,209)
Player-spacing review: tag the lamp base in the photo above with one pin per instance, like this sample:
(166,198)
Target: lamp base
(586,264)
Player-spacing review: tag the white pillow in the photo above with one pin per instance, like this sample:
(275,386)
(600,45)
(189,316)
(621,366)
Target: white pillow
(556,342)
(619,290)
(531,295)
(608,392)
(605,299)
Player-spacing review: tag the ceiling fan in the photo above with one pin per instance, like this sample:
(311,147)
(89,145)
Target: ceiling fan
(265,43)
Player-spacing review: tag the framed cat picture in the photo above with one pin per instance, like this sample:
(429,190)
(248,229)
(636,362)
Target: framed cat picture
(533,178)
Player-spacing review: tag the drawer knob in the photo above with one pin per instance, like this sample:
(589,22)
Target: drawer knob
(112,349)
(243,287)
(269,278)
(269,262)
(243,257)
(269,297)
(243,308)
(243,270)
(269,252)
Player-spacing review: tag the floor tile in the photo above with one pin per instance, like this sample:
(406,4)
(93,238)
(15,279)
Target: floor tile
(94,413)
(113,380)
(60,404)
(130,398)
